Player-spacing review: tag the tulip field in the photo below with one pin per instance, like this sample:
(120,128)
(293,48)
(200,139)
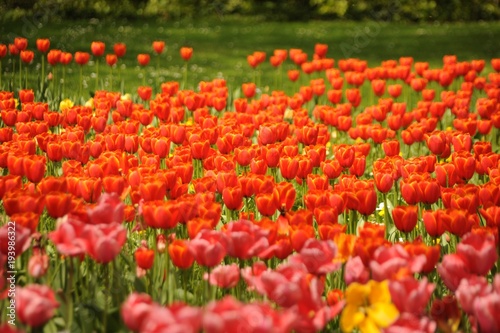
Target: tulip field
(342,196)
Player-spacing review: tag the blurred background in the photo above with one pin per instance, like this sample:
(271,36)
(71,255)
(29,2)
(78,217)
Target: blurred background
(284,10)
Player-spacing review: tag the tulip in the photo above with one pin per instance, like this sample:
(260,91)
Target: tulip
(224,276)
(208,248)
(405,218)
(35,304)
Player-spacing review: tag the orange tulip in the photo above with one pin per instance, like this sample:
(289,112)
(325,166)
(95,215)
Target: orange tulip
(180,254)
(54,57)
(111,59)
(65,58)
(143,59)
(158,46)
(186,53)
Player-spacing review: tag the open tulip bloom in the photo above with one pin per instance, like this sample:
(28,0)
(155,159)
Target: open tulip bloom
(365,199)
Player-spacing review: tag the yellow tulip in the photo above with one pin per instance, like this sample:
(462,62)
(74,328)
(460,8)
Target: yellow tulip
(368,307)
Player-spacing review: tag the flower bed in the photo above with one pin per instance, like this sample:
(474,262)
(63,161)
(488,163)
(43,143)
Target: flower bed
(366,199)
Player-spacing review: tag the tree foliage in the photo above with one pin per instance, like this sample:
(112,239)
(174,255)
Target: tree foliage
(285,10)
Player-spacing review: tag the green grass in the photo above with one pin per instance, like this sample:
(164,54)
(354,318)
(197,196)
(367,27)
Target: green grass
(222,44)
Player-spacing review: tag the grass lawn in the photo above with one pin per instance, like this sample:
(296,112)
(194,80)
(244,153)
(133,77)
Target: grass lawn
(222,44)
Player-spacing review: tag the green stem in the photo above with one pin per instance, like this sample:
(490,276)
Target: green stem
(387,218)
(69,297)
(20,74)
(184,83)
(96,74)
(64,80)
(107,291)
(81,82)
(43,70)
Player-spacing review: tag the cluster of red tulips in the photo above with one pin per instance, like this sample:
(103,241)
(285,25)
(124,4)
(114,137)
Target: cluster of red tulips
(367,199)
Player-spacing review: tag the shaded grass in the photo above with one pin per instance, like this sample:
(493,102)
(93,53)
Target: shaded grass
(221,45)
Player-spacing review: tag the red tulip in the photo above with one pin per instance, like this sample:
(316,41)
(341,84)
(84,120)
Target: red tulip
(119,49)
(97,48)
(144,257)
(27,56)
(43,45)
(405,218)
(233,197)
(21,43)
(111,59)
(145,92)
(3,50)
(82,58)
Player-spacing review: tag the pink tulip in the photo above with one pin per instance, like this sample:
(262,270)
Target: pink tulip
(68,237)
(105,241)
(487,309)
(452,269)
(9,232)
(470,289)
(38,263)
(225,276)
(318,256)
(411,295)
(389,262)
(208,248)
(109,209)
(479,252)
(134,310)
(35,304)
(355,271)
(410,323)
(245,239)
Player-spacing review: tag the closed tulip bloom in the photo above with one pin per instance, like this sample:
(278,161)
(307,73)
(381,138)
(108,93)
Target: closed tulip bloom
(158,46)
(105,241)
(82,58)
(233,197)
(144,257)
(143,59)
(111,59)
(249,89)
(135,310)
(224,276)
(208,248)
(486,311)
(27,56)
(405,218)
(54,57)
(43,45)
(65,58)
(145,92)
(35,304)
(97,48)
(3,50)
(21,43)
(186,53)
(119,49)
(180,254)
